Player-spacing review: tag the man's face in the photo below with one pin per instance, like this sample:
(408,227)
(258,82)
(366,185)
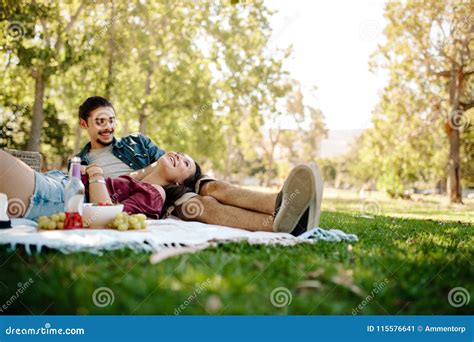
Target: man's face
(100,126)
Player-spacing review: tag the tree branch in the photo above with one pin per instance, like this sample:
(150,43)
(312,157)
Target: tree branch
(466,106)
(69,26)
(444,73)
(468,73)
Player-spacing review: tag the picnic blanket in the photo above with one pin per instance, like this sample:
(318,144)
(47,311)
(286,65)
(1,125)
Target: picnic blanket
(169,237)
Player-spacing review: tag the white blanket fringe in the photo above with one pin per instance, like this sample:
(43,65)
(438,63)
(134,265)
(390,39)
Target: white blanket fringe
(160,235)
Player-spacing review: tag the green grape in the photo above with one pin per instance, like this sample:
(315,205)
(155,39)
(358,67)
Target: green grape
(142,225)
(140,217)
(122,227)
(133,223)
(55,217)
(60,225)
(62,217)
(42,218)
(45,224)
(51,225)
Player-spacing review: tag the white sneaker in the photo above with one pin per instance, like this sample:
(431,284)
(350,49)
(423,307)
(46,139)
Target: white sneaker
(297,195)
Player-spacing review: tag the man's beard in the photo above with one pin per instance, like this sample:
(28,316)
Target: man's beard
(104,143)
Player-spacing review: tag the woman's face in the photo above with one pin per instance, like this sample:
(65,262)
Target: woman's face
(175,167)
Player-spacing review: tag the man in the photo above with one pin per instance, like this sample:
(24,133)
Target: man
(295,209)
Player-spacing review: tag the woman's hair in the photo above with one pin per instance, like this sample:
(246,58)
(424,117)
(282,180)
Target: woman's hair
(174,192)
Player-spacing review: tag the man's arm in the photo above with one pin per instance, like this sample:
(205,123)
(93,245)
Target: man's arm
(142,173)
(153,151)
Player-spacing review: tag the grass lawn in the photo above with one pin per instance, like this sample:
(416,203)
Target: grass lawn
(401,265)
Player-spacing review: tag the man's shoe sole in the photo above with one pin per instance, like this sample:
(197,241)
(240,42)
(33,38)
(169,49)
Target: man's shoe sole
(298,192)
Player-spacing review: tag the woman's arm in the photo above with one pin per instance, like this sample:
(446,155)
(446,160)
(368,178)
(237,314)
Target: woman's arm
(97,189)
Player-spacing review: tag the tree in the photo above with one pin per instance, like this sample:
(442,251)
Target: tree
(428,50)
(191,75)
(42,40)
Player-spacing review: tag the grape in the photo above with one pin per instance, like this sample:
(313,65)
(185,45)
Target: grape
(42,218)
(55,221)
(140,217)
(123,221)
(42,224)
(122,227)
(133,223)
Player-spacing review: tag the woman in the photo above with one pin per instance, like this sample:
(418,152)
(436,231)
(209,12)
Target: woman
(33,194)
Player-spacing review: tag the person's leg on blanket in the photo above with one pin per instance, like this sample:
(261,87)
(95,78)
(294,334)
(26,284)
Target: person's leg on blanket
(229,194)
(207,209)
(293,210)
(17,181)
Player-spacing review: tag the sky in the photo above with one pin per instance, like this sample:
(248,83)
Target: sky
(332,41)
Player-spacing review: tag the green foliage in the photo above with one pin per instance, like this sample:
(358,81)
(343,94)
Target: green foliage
(194,76)
(407,145)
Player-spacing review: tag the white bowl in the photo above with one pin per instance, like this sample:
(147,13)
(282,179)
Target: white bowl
(94,216)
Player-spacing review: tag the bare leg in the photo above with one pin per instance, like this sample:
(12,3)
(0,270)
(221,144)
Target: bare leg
(207,209)
(17,181)
(232,195)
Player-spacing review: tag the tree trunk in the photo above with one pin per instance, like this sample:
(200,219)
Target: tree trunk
(38,112)
(142,119)
(112,48)
(454,161)
(454,167)
(77,140)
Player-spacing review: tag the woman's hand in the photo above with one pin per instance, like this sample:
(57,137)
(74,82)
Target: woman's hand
(94,171)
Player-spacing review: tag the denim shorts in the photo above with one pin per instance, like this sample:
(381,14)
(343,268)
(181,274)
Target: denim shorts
(48,197)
